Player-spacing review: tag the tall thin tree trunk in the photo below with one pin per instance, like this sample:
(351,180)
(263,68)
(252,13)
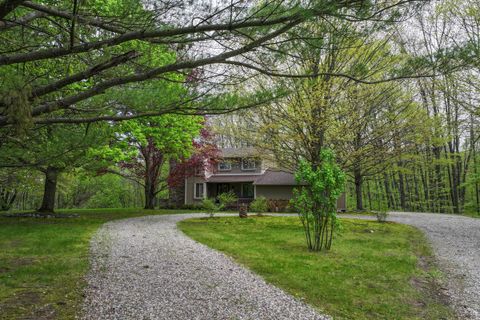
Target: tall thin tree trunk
(358,188)
(388,193)
(401,189)
(369,195)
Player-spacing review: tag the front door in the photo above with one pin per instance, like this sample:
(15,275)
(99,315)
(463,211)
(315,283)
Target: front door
(223,188)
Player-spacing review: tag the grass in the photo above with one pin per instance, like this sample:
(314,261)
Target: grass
(472,214)
(374,270)
(43,261)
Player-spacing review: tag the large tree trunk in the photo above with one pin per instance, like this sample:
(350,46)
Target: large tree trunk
(48,202)
(153,163)
(150,196)
(176,194)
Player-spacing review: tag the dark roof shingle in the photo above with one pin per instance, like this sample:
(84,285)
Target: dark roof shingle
(273,177)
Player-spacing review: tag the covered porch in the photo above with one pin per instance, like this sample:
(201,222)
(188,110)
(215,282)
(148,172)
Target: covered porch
(245,191)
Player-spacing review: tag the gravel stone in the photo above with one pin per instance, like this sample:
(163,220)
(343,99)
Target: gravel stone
(145,268)
(456,243)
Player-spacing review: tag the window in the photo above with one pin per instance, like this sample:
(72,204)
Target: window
(224,166)
(248,164)
(247,190)
(199,191)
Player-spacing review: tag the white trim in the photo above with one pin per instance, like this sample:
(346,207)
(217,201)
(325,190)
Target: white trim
(254,191)
(249,169)
(195,190)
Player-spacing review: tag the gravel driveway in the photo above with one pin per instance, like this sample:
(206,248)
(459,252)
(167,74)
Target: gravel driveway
(456,243)
(145,268)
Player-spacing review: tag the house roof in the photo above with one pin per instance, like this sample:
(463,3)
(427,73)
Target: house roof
(271,177)
(239,152)
(276,177)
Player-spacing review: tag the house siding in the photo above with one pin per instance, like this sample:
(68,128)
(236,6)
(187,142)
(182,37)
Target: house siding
(190,189)
(275,192)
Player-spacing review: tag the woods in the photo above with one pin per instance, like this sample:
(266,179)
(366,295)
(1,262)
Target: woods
(407,145)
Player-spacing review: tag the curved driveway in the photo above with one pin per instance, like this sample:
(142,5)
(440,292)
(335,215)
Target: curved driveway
(145,268)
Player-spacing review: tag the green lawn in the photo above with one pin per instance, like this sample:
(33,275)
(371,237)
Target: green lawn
(374,270)
(43,261)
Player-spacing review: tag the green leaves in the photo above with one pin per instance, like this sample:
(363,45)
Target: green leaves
(316,198)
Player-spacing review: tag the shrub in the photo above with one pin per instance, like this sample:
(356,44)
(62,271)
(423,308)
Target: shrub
(322,184)
(277,205)
(210,206)
(226,199)
(259,205)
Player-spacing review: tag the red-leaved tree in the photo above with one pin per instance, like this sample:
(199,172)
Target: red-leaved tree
(204,157)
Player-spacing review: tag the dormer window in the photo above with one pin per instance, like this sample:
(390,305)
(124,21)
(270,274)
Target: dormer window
(224,166)
(248,164)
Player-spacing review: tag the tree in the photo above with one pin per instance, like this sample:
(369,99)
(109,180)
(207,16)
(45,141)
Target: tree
(359,121)
(48,151)
(143,147)
(60,56)
(316,199)
(204,156)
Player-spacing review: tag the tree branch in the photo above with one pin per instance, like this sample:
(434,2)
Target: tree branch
(96,22)
(203,110)
(100,88)
(115,61)
(8,6)
(341,75)
(139,35)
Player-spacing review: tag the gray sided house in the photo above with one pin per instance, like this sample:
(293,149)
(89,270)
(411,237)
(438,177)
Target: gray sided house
(244,172)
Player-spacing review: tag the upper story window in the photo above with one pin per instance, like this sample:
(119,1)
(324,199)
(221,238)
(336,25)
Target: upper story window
(248,164)
(224,166)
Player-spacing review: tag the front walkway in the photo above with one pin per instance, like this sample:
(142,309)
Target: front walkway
(145,268)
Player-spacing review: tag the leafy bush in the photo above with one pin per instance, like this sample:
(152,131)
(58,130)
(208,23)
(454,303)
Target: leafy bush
(226,199)
(210,206)
(278,205)
(259,205)
(316,200)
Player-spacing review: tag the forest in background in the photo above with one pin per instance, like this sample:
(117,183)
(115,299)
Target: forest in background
(411,145)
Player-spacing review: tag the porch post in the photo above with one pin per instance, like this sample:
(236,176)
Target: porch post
(254,192)
(204,190)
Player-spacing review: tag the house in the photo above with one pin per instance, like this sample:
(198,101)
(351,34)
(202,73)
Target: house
(243,171)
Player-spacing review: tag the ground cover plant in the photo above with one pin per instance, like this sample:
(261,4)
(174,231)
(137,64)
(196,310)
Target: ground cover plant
(43,261)
(374,271)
